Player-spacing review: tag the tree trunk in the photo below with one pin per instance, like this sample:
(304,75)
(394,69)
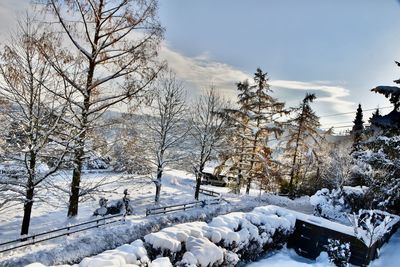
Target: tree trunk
(76,180)
(248,185)
(199,174)
(158,184)
(28,203)
(198,183)
(27,210)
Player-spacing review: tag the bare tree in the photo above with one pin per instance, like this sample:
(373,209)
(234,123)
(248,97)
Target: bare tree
(33,141)
(167,127)
(109,57)
(337,167)
(207,131)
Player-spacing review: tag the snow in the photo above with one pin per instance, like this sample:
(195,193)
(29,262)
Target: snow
(356,190)
(177,188)
(201,240)
(289,258)
(75,247)
(389,253)
(205,252)
(161,262)
(133,253)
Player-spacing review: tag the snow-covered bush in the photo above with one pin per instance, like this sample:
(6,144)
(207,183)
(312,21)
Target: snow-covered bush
(225,240)
(133,253)
(96,161)
(336,204)
(330,205)
(379,167)
(372,225)
(338,252)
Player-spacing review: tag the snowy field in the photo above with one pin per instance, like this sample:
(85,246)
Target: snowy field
(52,213)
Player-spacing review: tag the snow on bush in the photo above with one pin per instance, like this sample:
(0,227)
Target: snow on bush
(225,240)
(330,205)
(336,204)
(372,225)
(338,252)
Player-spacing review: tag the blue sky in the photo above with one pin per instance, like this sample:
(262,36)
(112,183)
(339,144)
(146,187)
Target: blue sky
(348,46)
(338,49)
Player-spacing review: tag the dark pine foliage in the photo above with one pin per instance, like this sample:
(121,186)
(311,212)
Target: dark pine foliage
(357,129)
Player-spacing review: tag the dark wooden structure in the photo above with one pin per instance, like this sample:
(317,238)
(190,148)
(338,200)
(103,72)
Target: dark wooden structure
(309,240)
(209,193)
(215,180)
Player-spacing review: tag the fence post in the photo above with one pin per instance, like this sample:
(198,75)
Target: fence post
(68,231)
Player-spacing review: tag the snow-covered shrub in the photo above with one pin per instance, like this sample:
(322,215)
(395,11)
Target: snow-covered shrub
(225,240)
(336,204)
(133,253)
(379,167)
(330,205)
(372,225)
(338,252)
(96,161)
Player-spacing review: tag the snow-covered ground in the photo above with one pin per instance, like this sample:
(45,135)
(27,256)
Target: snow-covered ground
(52,213)
(177,188)
(288,258)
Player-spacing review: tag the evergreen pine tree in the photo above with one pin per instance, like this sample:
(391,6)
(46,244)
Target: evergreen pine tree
(357,129)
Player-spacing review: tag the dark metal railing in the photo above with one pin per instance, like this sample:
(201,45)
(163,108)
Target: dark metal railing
(179,207)
(64,231)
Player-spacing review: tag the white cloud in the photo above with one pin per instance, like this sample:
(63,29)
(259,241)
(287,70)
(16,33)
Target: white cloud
(335,93)
(201,72)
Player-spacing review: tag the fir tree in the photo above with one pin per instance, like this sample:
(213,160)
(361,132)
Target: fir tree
(357,129)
